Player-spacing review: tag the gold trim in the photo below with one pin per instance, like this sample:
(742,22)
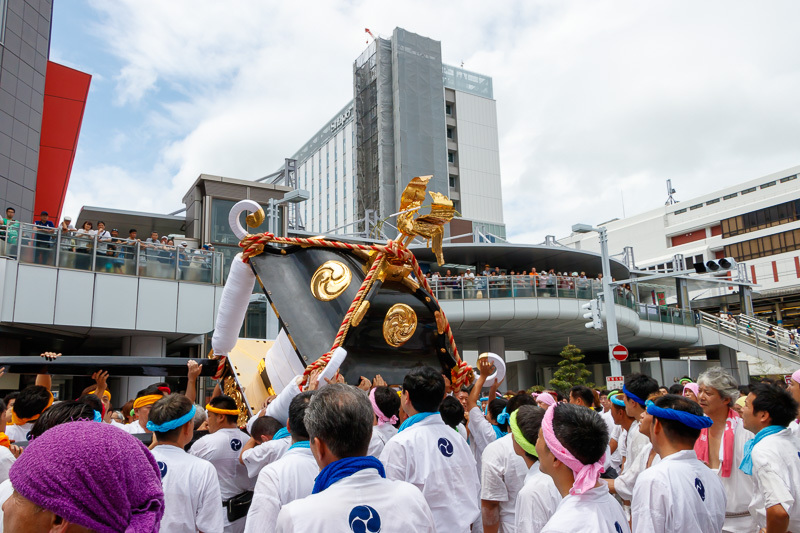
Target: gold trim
(441,325)
(230,388)
(358,316)
(399,325)
(254,220)
(330,280)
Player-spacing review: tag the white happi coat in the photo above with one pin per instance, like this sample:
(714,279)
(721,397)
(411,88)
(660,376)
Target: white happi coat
(677,495)
(19,433)
(265,453)
(362,502)
(481,434)
(776,473)
(222,449)
(289,478)
(595,510)
(192,500)
(433,458)
(536,502)
(794,426)
(502,476)
(635,444)
(380,436)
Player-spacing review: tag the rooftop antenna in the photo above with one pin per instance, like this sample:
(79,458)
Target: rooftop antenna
(462,63)
(670,192)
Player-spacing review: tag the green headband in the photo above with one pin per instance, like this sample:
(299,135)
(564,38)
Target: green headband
(519,437)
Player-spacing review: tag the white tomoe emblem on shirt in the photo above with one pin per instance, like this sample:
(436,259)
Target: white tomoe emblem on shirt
(364,519)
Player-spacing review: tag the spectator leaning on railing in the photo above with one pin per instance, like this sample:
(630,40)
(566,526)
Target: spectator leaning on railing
(43,238)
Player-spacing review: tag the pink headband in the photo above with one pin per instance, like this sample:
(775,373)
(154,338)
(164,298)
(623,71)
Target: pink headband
(375,409)
(546,397)
(585,475)
(692,387)
(796,376)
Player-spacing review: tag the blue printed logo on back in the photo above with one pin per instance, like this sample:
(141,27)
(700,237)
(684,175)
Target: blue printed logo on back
(364,519)
(446,447)
(236,445)
(618,527)
(28,436)
(701,490)
(162,467)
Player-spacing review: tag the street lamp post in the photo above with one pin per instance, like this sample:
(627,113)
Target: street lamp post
(608,295)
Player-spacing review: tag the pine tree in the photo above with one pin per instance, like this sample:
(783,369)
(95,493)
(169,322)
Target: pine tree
(571,371)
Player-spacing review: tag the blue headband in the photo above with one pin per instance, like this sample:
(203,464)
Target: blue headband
(632,396)
(172,424)
(687,419)
(502,418)
(98,417)
(617,401)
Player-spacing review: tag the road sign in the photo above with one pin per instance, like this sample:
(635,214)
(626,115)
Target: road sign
(619,352)
(614,383)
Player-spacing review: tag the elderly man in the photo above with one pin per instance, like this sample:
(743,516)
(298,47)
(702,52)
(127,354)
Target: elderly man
(351,493)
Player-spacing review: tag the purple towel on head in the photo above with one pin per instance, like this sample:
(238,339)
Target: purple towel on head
(93,475)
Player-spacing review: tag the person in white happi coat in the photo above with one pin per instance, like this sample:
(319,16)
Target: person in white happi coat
(721,446)
(269,440)
(571,447)
(482,432)
(191,487)
(502,475)
(30,403)
(289,478)
(221,448)
(539,498)
(794,390)
(385,404)
(425,453)
(636,389)
(772,458)
(679,493)
(144,401)
(622,423)
(351,492)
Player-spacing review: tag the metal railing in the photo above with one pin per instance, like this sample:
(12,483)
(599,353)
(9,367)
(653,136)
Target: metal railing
(54,247)
(747,329)
(545,286)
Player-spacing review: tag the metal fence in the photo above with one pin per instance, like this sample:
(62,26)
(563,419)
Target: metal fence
(751,331)
(576,288)
(54,247)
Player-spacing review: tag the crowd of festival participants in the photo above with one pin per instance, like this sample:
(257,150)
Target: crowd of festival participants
(704,456)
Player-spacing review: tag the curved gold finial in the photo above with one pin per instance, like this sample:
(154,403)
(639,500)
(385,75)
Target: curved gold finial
(399,325)
(255,219)
(330,280)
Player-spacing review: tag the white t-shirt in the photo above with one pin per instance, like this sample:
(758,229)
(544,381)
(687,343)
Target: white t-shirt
(380,436)
(134,428)
(282,482)
(363,502)
(537,501)
(481,434)
(192,500)
(433,458)
(678,494)
(102,247)
(6,460)
(595,510)
(502,476)
(6,490)
(263,454)
(222,449)
(776,473)
(795,427)
(19,433)
(635,445)
(619,435)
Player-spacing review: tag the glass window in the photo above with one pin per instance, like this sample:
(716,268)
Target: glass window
(448,110)
(451,157)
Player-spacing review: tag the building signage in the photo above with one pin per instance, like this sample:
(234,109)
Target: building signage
(340,121)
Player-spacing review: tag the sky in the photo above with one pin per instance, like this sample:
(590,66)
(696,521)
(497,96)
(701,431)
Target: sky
(599,102)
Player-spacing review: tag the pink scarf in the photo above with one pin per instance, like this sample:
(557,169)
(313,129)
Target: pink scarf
(701,446)
(375,409)
(586,476)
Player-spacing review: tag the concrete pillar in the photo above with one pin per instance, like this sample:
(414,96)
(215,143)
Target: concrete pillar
(746,300)
(778,314)
(138,347)
(730,362)
(682,289)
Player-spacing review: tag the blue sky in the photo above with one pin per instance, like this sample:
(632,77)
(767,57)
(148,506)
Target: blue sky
(597,100)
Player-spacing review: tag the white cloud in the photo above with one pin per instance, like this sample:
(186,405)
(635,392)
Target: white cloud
(596,99)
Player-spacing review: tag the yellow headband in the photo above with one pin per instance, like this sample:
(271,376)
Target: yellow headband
(144,401)
(524,443)
(105,393)
(17,421)
(229,412)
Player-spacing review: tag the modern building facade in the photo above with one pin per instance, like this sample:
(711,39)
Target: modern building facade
(756,222)
(411,115)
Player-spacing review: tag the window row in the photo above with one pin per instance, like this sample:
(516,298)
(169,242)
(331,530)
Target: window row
(779,243)
(762,218)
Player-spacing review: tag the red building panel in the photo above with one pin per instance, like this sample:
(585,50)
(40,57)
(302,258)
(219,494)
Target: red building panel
(65,93)
(716,230)
(697,235)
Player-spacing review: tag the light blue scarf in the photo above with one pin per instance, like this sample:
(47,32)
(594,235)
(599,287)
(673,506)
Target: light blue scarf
(281,433)
(747,462)
(302,444)
(411,420)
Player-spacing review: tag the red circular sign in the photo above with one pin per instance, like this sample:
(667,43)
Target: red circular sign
(619,352)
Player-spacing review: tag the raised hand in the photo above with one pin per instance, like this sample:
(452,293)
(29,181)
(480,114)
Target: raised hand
(364,384)
(194,369)
(379,382)
(51,356)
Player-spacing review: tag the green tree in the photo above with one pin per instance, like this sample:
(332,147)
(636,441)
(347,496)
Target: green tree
(571,370)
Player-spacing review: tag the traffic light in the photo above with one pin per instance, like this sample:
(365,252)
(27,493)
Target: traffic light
(593,314)
(715,266)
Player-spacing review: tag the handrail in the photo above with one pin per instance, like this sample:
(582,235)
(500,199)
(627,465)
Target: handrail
(744,331)
(70,249)
(550,286)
